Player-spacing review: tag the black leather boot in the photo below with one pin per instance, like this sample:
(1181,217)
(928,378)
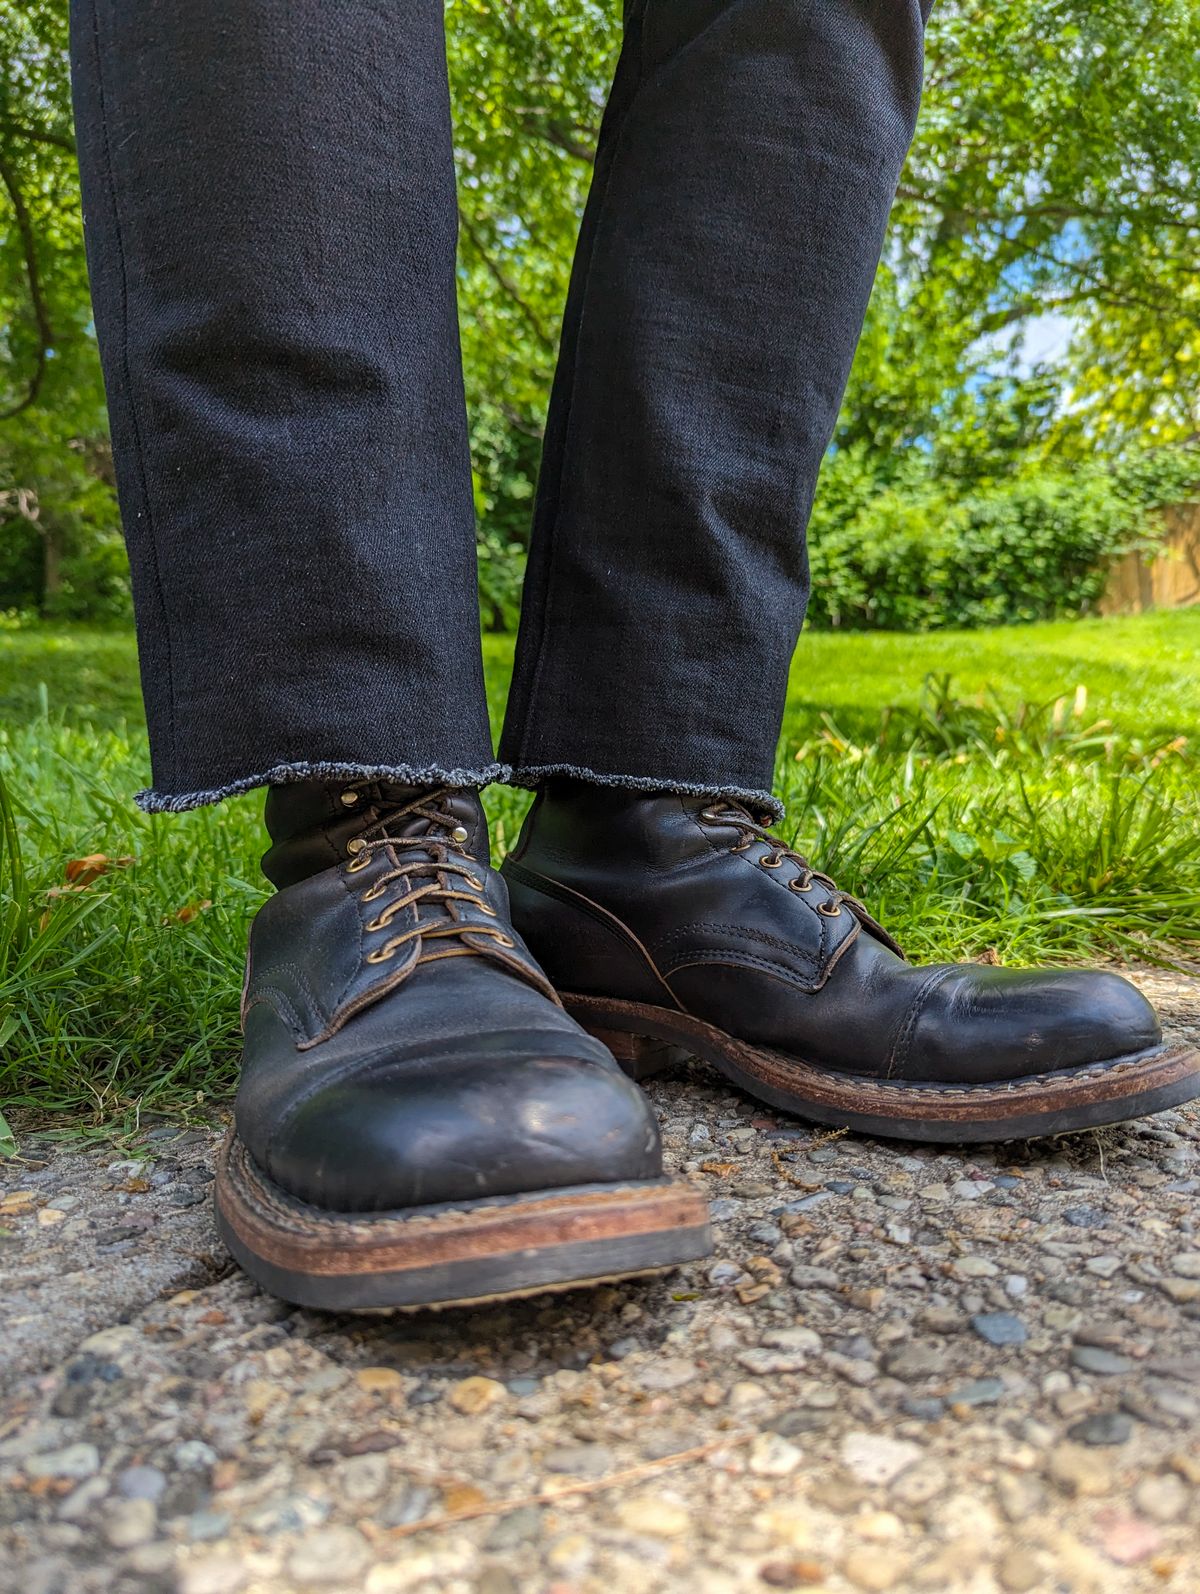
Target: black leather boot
(418,1120)
(675,921)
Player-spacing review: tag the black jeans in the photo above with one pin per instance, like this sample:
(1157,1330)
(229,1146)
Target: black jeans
(270,208)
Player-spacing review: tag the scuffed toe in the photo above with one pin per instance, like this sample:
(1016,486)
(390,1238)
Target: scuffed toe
(467,1130)
(1000,1024)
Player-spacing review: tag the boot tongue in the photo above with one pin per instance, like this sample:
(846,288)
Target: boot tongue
(311,824)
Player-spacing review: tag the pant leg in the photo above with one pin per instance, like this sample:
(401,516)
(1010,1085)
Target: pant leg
(747,164)
(270,213)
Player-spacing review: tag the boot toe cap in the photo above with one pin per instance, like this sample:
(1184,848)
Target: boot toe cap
(466,1130)
(996,1024)
(1122,1021)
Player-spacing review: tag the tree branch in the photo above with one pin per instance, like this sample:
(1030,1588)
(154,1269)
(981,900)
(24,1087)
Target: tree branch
(41,315)
(38,135)
(538,122)
(1060,210)
(506,285)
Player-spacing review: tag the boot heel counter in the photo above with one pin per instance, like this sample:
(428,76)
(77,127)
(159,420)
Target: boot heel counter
(583,948)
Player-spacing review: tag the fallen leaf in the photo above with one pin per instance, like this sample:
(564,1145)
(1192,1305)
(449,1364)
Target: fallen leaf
(191,911)
(81,872)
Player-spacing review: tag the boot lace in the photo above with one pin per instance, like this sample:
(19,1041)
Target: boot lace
(750,829)
(426,877)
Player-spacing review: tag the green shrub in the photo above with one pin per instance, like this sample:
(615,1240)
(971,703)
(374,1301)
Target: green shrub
(906,555)
(1038,548)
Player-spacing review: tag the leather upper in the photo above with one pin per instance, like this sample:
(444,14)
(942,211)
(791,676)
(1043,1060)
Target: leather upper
(685,903)
(402,1046)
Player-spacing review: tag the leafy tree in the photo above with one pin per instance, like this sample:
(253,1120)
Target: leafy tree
(58,518)
(1056,170)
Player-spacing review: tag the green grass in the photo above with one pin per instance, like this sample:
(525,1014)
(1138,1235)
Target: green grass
(974,816)
(1143,672)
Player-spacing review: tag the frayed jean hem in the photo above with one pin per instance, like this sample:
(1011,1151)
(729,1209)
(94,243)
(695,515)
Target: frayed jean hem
(534,774)
(157,802)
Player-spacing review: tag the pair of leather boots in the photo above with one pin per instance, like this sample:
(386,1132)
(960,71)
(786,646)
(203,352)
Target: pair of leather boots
(437,1109)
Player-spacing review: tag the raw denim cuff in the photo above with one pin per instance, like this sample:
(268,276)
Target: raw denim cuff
(534,774)
(157,802)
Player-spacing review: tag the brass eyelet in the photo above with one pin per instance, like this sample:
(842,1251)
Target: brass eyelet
(349,798)
(486,907)
(355,844)
(380,923)
(794,885)
(504,940)
(831,910)
(707,815)
(384,955)
(375,891)
(459,833)
(771,863)
(741,846)
(476,885)
(358,863)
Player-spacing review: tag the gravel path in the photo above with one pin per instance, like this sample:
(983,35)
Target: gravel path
(902,1370)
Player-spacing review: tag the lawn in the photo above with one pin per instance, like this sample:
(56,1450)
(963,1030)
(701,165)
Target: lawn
(1040,803)
(1143,672)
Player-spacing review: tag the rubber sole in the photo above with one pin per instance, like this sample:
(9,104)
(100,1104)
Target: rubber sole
(456,1255)
(646,1039)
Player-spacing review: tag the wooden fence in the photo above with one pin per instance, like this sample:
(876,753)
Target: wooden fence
(1169,580)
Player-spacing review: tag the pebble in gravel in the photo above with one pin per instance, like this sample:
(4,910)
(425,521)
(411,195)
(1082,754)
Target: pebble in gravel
(1000,1328)
(1102,1428)
(141,1483)
(877,1458)
(130,1522)
(1095,1359)
(1162,1499)
(328,1557)
(73,1461)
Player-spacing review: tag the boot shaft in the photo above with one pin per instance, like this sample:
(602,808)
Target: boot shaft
(313,824)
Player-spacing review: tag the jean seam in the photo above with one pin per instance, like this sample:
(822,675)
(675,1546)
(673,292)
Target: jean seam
(535,680)
(127,373)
